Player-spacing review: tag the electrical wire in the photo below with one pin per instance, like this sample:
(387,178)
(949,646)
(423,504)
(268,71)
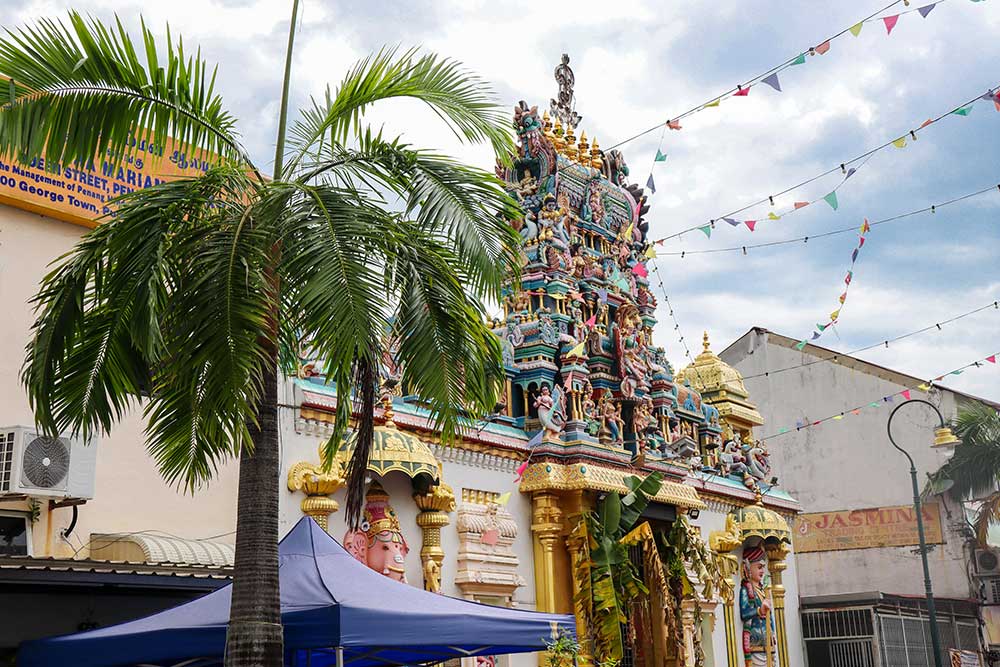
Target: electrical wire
(805,239)
(995,305)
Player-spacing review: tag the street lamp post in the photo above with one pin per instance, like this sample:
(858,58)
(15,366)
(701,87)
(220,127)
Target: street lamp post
(943,436)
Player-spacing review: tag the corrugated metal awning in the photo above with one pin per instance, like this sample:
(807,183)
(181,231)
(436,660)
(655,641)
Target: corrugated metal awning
(152,548)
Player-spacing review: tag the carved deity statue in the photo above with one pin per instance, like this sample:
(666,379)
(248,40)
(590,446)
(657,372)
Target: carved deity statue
(611,416)
(551,408)
(755,611)
(630,349)
(590,413)
(379,542)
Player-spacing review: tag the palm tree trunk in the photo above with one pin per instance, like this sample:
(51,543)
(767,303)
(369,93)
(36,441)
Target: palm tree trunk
(255,637)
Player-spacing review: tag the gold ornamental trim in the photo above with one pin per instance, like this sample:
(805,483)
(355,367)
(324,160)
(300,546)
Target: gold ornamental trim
(571,477)
(395,450)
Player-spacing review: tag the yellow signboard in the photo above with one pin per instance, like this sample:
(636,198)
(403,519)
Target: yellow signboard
(865,528)
(80,194)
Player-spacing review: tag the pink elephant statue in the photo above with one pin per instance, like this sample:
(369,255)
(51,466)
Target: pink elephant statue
(379,543)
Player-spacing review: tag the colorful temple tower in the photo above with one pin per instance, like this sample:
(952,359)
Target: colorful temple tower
(589,402)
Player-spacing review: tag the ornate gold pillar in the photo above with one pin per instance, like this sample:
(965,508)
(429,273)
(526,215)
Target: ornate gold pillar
(434,507)
(318,485)
(576,545)
(546,526)
(776,555)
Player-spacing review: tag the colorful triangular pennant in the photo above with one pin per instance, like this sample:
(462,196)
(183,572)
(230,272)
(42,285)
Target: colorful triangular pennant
(577,350)
(823,48)
(650,252)
(742,92)
(732,221)
(660,156)
(592,321)
(650,184)
(750,224)
(801,204)
(640,270)
(674,124)
(992,358)
(713,103)
(707,229)
(890,23)
(963,111)
(926,9)
(801,344)
(831,199)
(905,394)
(856,28)
(772,79)
(773,216)
(865,227)
(800,60)
(900,143)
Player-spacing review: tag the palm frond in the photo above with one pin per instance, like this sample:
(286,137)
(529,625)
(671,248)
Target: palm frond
(461,99)
(987,515)
(975,465)
(159,302)
(82,91)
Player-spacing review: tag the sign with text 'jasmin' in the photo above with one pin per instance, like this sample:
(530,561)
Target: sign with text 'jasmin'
(865,528)
(80,194)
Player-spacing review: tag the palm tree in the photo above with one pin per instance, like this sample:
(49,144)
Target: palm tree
(192,298)
(972,474)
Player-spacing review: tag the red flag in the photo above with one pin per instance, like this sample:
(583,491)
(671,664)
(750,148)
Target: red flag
(750,224)
(856,411)
(674,124)
(639,269)
(992,358)
(801,204)
(593,320)
(520,471)
(890,23)
(926,123)
(861,241)
(742,92)
(865,228)
(906,394)
(823,48)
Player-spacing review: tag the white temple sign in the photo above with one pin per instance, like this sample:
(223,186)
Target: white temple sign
(865,528)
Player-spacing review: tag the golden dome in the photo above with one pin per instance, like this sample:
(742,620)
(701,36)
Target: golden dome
(721,386)
(709,374)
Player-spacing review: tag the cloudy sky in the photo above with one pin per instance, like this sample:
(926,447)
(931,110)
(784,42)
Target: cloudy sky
(640,63)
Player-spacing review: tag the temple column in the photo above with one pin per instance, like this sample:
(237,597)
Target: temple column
(688,628)
(576,545)
(546,526)
(776,555)
(434,507)
(318,485)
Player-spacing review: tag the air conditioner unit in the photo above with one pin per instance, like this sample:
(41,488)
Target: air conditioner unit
(36,465)
(987,562)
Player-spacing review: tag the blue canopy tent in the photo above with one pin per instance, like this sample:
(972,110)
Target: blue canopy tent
(335,611)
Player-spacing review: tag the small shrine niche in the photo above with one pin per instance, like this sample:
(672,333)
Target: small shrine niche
(486,563)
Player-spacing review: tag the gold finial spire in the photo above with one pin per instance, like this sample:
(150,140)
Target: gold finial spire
(595,155)
(387,410)
(704,343)
(557,134)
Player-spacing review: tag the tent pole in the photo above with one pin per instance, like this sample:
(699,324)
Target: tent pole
(340,656)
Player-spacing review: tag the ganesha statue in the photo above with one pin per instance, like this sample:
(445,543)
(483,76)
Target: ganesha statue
(378,542)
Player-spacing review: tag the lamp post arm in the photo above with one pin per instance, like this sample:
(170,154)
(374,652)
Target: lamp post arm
(888,425)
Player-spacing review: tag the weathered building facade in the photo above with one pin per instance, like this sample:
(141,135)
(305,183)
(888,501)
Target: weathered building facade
(859,569)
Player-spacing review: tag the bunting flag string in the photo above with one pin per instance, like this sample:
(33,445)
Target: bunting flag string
(835,315)
(677,325)
(843,167)
(805,239)
(937,326)
(890,398)
(770,77)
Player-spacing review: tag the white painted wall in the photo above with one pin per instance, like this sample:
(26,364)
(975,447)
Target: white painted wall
(850,464)
(130,494)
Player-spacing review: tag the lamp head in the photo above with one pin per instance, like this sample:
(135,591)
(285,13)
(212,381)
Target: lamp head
(943,437)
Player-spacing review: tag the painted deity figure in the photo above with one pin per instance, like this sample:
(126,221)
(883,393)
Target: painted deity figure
(590,414)
(379,542)
(611,415)
(630,350)
(551,411)
(755,611)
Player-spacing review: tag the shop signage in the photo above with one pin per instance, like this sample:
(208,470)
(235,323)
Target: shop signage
(865,528)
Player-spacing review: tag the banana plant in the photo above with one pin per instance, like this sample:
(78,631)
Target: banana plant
(607,580)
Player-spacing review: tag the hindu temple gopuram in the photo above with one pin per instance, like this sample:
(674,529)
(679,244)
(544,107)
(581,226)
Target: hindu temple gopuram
(589,402)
